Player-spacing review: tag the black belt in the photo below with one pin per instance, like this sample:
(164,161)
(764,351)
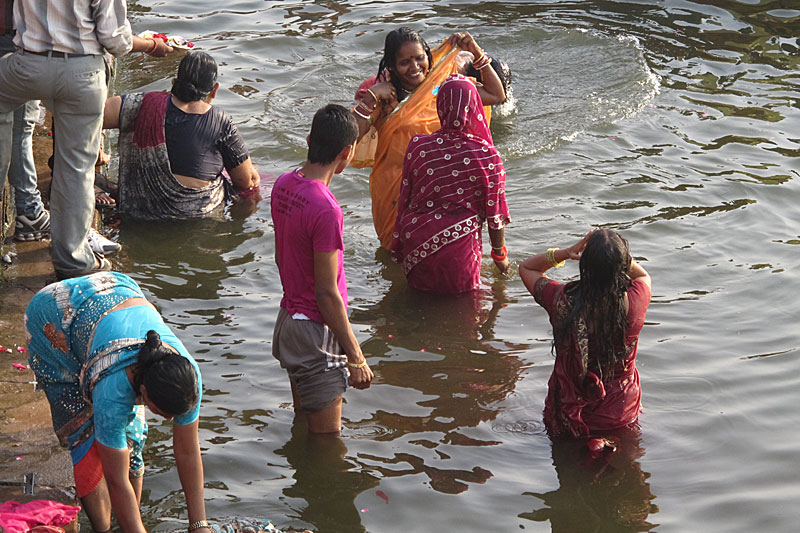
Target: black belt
(53,53)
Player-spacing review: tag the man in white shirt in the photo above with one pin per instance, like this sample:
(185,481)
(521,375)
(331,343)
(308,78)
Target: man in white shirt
(59,60)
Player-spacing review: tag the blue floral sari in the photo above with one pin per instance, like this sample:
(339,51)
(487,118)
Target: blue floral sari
(60,323)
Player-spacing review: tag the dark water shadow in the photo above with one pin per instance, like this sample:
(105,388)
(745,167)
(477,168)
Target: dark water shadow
(325,480)
(607,493)
(443,347)
(185,259)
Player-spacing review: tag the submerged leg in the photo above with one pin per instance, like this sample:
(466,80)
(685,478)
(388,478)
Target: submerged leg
(97,506)
(328,419)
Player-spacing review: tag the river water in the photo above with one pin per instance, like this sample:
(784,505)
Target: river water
(675,122)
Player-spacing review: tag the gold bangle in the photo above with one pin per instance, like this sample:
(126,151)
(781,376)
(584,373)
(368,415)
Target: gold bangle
(550,255)
(373,96)
(198,524)
(362,364)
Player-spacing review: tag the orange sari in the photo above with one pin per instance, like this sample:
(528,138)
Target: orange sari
(384,148)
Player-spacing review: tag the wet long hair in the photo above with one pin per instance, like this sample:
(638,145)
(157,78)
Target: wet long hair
(394,41)
(500,67)
(197,75)
(168,377)
(599,299)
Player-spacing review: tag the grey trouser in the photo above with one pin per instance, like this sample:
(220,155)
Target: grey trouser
(74,89)
(314,360)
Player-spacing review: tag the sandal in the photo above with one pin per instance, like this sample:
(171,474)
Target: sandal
(103,200)
(105,184)
(102,265)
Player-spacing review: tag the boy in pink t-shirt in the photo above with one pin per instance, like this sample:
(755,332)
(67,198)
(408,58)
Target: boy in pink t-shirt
(313,339)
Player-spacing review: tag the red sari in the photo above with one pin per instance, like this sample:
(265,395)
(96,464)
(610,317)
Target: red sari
(452,181)
(578,406)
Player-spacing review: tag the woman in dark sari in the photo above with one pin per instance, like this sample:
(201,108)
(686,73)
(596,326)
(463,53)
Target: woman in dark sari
(596,323)
(174,147)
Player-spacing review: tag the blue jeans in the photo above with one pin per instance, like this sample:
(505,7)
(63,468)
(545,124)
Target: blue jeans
(74,89)
(22,172)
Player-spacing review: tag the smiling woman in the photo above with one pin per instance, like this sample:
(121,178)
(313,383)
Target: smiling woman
(400,102)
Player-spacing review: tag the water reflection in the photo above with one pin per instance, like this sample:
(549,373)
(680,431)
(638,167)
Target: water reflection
(444,347)
(185,259)
(609,492)
(324,480)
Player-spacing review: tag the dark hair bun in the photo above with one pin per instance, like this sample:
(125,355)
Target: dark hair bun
(153,340)
(197,75)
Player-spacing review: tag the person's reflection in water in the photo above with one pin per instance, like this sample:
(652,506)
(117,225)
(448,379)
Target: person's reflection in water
(325,480)
(464,373)
(599,491)
(189,259)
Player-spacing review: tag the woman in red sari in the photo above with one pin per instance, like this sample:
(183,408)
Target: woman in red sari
(452,181)
(596,323)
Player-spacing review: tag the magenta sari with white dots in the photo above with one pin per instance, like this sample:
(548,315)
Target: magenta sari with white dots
(453,180)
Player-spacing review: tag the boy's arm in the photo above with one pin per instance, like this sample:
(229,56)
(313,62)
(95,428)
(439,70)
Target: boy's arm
(329,301)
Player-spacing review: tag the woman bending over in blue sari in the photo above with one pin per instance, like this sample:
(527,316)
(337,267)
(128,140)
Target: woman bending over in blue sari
(102,352)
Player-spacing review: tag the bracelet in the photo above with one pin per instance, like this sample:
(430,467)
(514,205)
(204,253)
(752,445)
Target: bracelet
(501,256)
(373,96)
(482,62)
(550,255)
(487,64)
(362,364)
(155,45)
(356,111)
(365,108)
(198,524)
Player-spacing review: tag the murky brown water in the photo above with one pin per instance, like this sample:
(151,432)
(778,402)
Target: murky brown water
(674,122)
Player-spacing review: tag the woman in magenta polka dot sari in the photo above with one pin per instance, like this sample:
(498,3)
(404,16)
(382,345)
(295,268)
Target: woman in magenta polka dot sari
(453,180)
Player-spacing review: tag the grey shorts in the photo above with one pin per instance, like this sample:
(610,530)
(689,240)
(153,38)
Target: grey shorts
(313,358)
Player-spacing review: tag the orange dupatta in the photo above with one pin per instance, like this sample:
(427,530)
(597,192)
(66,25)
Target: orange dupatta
(416,115)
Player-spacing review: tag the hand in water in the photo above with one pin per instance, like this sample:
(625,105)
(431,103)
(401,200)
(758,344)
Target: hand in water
(503,265)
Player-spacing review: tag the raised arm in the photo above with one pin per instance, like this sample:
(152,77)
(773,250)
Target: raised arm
(637,272)
(378,97)
(534,267)
(491,90)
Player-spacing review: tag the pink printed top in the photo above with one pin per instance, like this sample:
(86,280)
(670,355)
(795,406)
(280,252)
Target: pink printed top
(307,219)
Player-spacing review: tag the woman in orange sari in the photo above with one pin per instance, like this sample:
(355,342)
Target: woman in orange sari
(400,102)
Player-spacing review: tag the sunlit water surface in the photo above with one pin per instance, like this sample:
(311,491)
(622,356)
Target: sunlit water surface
(674,122)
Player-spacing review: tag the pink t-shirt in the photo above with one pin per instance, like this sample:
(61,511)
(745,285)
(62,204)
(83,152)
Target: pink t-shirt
(307,219)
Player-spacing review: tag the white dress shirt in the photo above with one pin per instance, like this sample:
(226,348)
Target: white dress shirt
(73,26)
